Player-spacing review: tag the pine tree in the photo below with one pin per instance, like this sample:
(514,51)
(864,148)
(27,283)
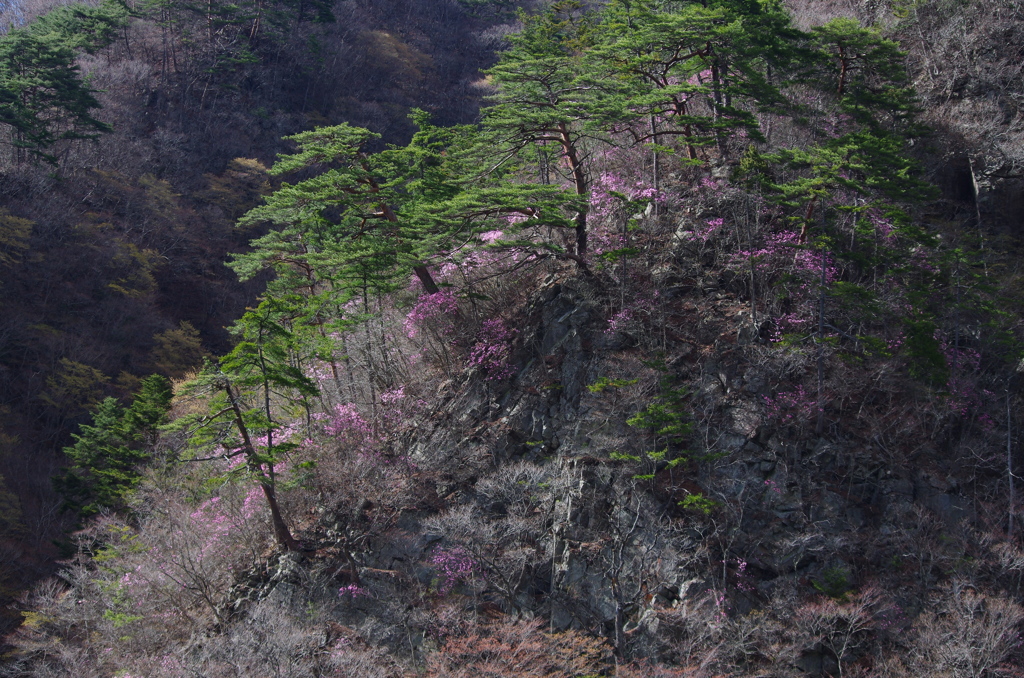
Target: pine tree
(661,61)
(244,395)
(81,27)
(541,102)
(850,194)
(867,74)
(42,95)
(448,193)
(339,227)
(108,453)
(692,71)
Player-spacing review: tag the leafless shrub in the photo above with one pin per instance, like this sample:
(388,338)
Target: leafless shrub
(696,630)
(192,552)
(809,13)
(643,669)
(366,483)
(843,627)
(502,551)
(932,546)
(517,488)
(270,642)
(758,639)
(970,634)
(54,660)
(1010,559)
(348,660)
(519,648)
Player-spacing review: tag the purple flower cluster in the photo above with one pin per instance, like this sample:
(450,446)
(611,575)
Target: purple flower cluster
(440,305)
(619,321)
(492,351)
(796,269)
(790,407)
(453,567)
(882,225)
(353,591)
(781,252)
(215,527)
(604,201)
(743,582)
(637,306)
(704,234)
(346,420)
(348,427)
(966,395)
(709,184)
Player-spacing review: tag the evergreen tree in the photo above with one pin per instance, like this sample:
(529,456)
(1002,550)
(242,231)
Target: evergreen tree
(541,102)
(851,192)
(339,226)
(81,27)
(659,62)
(107,453)
(244,395)
(866,74)
(445,195)
(692,71)
(42,95)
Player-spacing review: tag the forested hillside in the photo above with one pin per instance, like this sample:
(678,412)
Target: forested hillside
(634,338)
(133,138)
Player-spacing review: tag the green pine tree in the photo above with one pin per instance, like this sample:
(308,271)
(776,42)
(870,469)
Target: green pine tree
(339,229)
(106,457)
(541,104)
(851,193)
(245,395)
(43,98)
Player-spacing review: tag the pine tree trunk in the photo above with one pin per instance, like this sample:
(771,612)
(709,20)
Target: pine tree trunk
(428,280)
(421,271)
(579,179)
(281,531)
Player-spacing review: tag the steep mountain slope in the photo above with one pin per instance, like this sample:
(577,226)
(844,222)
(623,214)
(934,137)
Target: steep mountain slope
(748,407)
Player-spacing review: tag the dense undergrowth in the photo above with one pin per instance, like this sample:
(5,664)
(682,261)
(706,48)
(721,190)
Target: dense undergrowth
(675,365)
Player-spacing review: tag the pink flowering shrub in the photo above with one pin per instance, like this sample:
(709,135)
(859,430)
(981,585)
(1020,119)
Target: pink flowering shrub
(966,395)
(434,311)
(216,523)
(639,305)
(397,408)
(352,591)
(345,425)
(622,190)
(702,235)
(345,419)
(608,191)
(790,407)
(453,567)
(174,571)
(492,351)
(794,272)
(781,256)
(619,321)
(488,256)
